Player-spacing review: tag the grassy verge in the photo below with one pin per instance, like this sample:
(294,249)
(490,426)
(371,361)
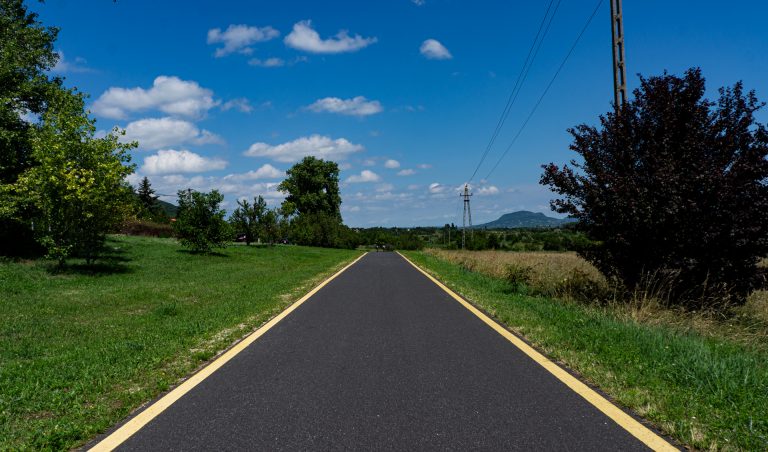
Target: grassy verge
(708,392)
(80,349)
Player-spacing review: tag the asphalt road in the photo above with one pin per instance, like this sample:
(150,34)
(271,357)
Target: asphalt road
(381,358)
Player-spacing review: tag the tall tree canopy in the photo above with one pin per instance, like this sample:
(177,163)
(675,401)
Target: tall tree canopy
(675,185)
(59,183)
(312,186)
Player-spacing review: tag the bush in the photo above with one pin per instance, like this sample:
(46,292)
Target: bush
(518,276)
(146,228)
(200,223)
(673,183)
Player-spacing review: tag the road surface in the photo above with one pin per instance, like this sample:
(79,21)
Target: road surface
(381,358)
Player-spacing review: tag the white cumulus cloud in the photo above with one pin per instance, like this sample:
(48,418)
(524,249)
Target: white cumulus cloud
(242,104)
(266,171)
(357,106)
(156,133)
(171,95)
(304,37)
(434,50)
(406,172)
(316,145)
(364,176)
(436,188)
(269,62)
(487,190)
(170,161)
(391,164)
(239,38)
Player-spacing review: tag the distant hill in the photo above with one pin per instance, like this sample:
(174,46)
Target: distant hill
(525,219)
(169,208)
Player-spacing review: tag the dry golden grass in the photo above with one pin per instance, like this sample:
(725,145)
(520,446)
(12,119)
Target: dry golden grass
(568,277)
(551,274)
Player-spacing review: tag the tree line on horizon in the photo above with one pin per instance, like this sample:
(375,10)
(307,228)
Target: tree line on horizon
(669,183)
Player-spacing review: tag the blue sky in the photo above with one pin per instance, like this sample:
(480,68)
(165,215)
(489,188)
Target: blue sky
(403,94)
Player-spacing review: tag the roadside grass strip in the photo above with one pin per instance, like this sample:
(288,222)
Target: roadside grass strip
(706,392)
(83,348)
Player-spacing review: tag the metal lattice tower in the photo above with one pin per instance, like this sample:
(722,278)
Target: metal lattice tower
(467,216)
(619,65)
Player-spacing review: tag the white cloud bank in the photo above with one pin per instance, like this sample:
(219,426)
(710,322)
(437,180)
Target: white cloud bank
(170,161)
(406,172)
(364,176)
(357,106)
(304,37)
(317,145)
(156,133)
(434,50)
(239,38)
(391,164)
(266,171)
(169,94)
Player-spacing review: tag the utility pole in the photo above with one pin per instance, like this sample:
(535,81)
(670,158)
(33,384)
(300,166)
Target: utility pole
(619,65)
(467,216)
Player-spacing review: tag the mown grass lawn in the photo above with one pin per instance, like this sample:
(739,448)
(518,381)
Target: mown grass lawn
(80,349)
(707,392)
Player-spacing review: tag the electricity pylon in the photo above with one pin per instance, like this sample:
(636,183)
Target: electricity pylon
(467,216)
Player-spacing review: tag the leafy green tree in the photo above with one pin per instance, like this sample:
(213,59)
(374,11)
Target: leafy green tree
(312,186)
(78,182)
(675,185)
(248,218)
(270,226)
(200,223)
(26,89)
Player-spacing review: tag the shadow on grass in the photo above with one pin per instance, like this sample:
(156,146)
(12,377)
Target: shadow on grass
(109,262)
(202,253)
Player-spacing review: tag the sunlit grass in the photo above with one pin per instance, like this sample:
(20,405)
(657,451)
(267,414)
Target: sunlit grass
(81,348)
(700,379)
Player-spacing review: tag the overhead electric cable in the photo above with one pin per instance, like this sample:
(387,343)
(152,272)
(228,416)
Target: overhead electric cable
(546,90)
(529,59)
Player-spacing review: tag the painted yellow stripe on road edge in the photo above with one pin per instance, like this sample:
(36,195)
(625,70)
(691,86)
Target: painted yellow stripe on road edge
(134,425)
(627,422)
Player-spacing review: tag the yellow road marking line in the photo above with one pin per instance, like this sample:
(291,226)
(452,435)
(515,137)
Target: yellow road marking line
(627,422)
(134,425)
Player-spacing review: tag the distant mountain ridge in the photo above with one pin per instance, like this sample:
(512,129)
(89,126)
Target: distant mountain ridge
(525,219)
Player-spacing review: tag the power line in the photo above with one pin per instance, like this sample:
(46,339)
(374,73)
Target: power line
(546,90)
(524,70)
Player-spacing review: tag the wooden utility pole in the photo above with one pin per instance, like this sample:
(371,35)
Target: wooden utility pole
(619,65)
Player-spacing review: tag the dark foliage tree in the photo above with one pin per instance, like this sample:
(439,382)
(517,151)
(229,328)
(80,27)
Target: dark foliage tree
(312,186)
(673,185)
(26,90)
(147,200)
(200,223)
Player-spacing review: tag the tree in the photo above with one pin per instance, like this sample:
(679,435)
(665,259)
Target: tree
(200,221)
(249,219)
(673,185)
(147,199)
(26,90)
(77,185)
(312,186)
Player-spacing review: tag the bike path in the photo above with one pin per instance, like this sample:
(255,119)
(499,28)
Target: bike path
(381,358)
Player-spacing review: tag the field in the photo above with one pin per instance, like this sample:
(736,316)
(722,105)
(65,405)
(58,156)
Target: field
(81,348)
(568,277)
(701,379)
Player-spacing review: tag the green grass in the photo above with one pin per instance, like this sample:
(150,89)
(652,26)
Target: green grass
(706,392)
(80,349)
